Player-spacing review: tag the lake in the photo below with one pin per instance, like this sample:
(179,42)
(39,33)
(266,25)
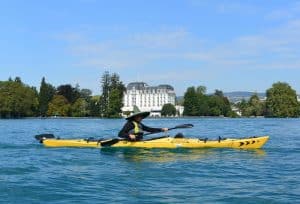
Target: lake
(31,173)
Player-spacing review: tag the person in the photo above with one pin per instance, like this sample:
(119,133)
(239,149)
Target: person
(133,129)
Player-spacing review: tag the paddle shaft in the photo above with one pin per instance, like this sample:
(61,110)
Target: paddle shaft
(173,128)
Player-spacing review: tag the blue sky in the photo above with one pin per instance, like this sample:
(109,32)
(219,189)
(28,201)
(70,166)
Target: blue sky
(228,45)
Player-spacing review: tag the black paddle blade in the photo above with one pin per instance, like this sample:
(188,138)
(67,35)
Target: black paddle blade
(184,126)
(44,136)
(109,142)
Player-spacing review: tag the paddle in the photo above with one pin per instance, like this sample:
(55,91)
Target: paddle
(41,137)
(173,128)
(114,141)
(44,136)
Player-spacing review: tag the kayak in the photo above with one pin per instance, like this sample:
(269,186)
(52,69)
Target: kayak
(160,142)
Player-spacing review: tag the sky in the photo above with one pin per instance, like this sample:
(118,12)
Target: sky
(228,45)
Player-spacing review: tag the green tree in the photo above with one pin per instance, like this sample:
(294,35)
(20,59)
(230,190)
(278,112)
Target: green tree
(18,80)
(111,100)
(219,93)
(197,103)
(242,105)
(256,106)
(215,105)
(94,106)
(59,106)
(86,94)
(202,101)
(190,102)
(201,90)
(168,110)
(17,99)
(220,105)
(105,86)
(69,92)
(282,101)
(115,104)
(46,94)
(80,108)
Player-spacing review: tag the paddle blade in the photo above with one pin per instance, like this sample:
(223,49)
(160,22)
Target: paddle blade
(184,126)
(109,142)
(44,136)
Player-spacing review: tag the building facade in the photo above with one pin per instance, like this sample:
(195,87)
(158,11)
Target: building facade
(147,98)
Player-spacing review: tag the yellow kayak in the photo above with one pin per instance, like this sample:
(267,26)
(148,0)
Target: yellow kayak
(161,142)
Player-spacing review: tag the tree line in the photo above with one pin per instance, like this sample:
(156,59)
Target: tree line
(281,101)
(197,103)
(17,99)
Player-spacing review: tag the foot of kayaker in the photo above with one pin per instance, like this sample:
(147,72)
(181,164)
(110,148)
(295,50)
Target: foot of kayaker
(133,130)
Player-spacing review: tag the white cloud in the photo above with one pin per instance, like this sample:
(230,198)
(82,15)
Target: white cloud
(70,36)
(236,7)
(289,12)
(162,39)
(271,49)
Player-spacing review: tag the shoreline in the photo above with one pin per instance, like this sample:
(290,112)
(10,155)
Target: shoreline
(158,118)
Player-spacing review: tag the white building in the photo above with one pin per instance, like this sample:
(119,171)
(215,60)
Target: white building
(148,98)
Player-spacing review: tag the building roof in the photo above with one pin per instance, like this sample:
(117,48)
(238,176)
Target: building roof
(142,85)
(166,86)
(136,85)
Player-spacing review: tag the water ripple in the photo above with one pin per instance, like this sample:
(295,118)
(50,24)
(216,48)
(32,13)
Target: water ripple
(30,173)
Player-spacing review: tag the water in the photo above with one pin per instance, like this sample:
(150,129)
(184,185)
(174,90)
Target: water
(30,173)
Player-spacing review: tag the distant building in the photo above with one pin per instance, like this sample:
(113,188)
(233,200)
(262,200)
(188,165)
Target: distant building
(148,98)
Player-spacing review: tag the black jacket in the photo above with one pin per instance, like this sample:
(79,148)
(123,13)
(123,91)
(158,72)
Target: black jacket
(124,133)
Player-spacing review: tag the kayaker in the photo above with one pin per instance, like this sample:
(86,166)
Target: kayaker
(134,128)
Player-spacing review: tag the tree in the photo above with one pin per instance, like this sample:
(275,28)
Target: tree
(219,93)
(69,92)
(196,103)
(256,106)
(94,106)
(86,94)
(46,94)
(168,110)
(79,108)
(216,104)
(190,102)
(18,80)
(115,104)
(282,101)
(201,90)
(59,106)
(105,85)
(219,105)
(242,105)
(17,99)
(111,100)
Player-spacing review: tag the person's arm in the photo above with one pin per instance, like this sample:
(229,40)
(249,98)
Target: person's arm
(150,129)
(124,133)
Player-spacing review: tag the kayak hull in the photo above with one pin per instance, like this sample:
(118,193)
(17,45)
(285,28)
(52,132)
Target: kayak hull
(165,142)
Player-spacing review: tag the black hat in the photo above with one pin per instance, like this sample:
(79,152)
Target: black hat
(137,112)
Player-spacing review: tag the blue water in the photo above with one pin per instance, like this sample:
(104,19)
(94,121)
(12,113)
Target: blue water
(31,173)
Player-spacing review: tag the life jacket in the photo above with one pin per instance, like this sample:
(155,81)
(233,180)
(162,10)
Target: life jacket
(137,130)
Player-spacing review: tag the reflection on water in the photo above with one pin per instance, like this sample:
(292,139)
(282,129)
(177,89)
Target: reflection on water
(172,155)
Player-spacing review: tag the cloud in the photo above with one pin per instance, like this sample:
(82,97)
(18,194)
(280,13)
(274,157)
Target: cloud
(70,36)
(236,7)
(289,12)
(162,39)
(271,49)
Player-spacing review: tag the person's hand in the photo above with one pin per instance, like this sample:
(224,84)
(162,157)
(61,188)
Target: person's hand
(165,129)
(133,137)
